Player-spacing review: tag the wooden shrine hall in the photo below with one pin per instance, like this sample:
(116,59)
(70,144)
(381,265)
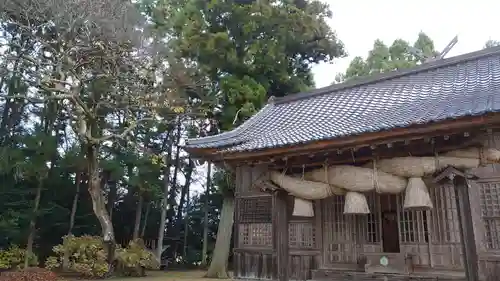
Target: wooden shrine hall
(389,177)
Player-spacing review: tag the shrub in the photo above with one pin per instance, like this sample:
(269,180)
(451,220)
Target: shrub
(86,256)
(13,258)
(30,274)
(135,259)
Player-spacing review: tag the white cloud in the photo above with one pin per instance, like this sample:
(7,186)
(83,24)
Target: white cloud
(359,22)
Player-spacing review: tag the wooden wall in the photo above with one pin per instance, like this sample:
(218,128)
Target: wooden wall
(260,264)
(485,205)
(327,241)
(253,253)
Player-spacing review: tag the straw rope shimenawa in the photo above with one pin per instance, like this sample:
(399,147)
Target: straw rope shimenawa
(384,176)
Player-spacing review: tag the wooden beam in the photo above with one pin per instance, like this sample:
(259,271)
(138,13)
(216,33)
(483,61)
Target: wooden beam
(466,227)
(414,148)
(280,237)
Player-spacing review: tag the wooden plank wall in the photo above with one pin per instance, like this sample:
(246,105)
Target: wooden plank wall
(489,266)
(253,250)
(260,264)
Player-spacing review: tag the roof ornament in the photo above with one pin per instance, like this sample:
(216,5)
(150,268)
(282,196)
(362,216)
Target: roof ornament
(271,99)
(420,54)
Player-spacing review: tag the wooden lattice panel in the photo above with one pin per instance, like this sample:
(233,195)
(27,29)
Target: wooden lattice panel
(444,228)
(255,209)
(338,235)
(445,224)
(255,234)
(414,227)
(490,211)
(372,220)
(301,235)
(346,237)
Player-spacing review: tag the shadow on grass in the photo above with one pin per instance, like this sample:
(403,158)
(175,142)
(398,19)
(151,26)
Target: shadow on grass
(174,275)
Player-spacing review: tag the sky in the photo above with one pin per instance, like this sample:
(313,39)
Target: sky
(359,22)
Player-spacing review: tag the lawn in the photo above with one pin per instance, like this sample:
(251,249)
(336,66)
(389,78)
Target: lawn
(190,275)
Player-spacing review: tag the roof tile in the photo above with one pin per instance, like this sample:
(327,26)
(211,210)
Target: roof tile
(451,88)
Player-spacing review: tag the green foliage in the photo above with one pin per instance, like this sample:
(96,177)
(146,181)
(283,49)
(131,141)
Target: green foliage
(133,260)
(249,52)
(196,221)
(87,256)
(384,59)
(30,274)
(491,43)
(223,180)
(13,258)
(240,55)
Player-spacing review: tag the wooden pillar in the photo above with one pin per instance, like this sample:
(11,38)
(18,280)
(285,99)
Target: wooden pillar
(280,237)
(318,229)
(236,237)
(466,227)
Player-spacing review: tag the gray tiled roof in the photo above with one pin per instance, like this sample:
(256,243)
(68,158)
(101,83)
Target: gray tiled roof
(451,88)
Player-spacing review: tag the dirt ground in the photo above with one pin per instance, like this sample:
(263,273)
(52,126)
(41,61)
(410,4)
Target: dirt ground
(191,275)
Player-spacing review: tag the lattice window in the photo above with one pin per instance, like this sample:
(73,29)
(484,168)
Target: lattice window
(338,232)
(373,219)
(301,235)
(255,209)
(367,226)
(445,228)
(414,228)
(490,211)
(255,225)
(413,224)
(445,224)
(256,234)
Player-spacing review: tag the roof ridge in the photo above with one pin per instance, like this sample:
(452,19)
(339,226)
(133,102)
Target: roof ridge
(389,75)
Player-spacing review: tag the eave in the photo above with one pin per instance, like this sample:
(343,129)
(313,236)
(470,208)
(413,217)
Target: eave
(340,145)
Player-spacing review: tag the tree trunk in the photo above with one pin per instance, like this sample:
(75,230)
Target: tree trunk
(172,202)
(186,226)
(145,223)
(8,106)
(111,195)
(138,213)
(98,200)
(31,236)
(75,203)
(48,123)
(185,191)
(218,266)
(78,180)
(163,216)
(172,196)
(204,261)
